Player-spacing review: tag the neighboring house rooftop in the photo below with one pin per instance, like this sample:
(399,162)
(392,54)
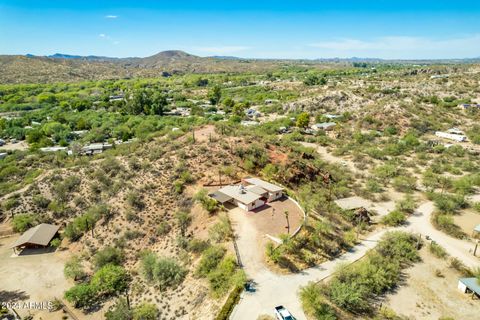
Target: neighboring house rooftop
(240,194)
(38,235)
(472,284)
(477,228)
(352,203)
(53,149)
(263,184)
(324,125)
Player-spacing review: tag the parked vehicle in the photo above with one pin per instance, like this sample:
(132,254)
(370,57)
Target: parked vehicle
(283,314)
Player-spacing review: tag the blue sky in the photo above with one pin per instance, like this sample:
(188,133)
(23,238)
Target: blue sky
(257,29)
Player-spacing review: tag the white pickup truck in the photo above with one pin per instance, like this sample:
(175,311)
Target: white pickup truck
(283,314)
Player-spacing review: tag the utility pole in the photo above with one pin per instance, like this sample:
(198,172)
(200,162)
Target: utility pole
(288,221)
(220,177)
(193,134)
(475,250)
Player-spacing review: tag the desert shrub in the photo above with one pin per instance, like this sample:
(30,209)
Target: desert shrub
(110,279)
(373,186)
(75,229)
(447,203)
(108,255)
(23,222)
(460,267)
(147,264)
(134,200)
(10,203)
(407,204)
(210,259)
(313,303)
(208,203)
(220,231)
(394,218)
(437,250)
(231,302)
(119,311)
(73,268)
(163,228)
(183,220)
(165,272)
(145,311)
(354,287)
(168,273)
(225,275)
(40,201)
(82,295)
(404,183)
(197,245)
(55,242)
(445,223)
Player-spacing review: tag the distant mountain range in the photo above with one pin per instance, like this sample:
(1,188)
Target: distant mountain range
(61,67)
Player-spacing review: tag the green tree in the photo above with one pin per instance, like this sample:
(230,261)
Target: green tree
(158,104)
(215,95)
(81,295)
(303,120)
(110,279)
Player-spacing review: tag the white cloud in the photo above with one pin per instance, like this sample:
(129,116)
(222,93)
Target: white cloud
(111,16)
(102,35)
(221,49)
(402,47)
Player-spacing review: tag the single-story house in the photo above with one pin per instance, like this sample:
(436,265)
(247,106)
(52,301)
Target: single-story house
(240,196)
(270,191)
(451,136)
(96,148)
(332,116)
(251,194)
(352,203)
(53,149)
(324,126)
(38,236)
(469,285)
(358,206)
(476,231)
(474,105)
(248,123)
(455,131)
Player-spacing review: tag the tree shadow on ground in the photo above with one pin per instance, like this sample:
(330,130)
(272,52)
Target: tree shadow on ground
(11,296)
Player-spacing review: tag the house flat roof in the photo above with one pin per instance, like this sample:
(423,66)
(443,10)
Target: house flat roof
(352,203)
(256,189)
(264,184)
(472,284)
(40,235)
(220,196)
(235,192)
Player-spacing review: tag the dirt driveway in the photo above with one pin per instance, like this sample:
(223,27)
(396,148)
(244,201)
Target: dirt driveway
(254,229)
(36,277)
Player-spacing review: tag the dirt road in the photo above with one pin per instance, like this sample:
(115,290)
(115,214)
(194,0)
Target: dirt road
(419,222)
(274,289)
